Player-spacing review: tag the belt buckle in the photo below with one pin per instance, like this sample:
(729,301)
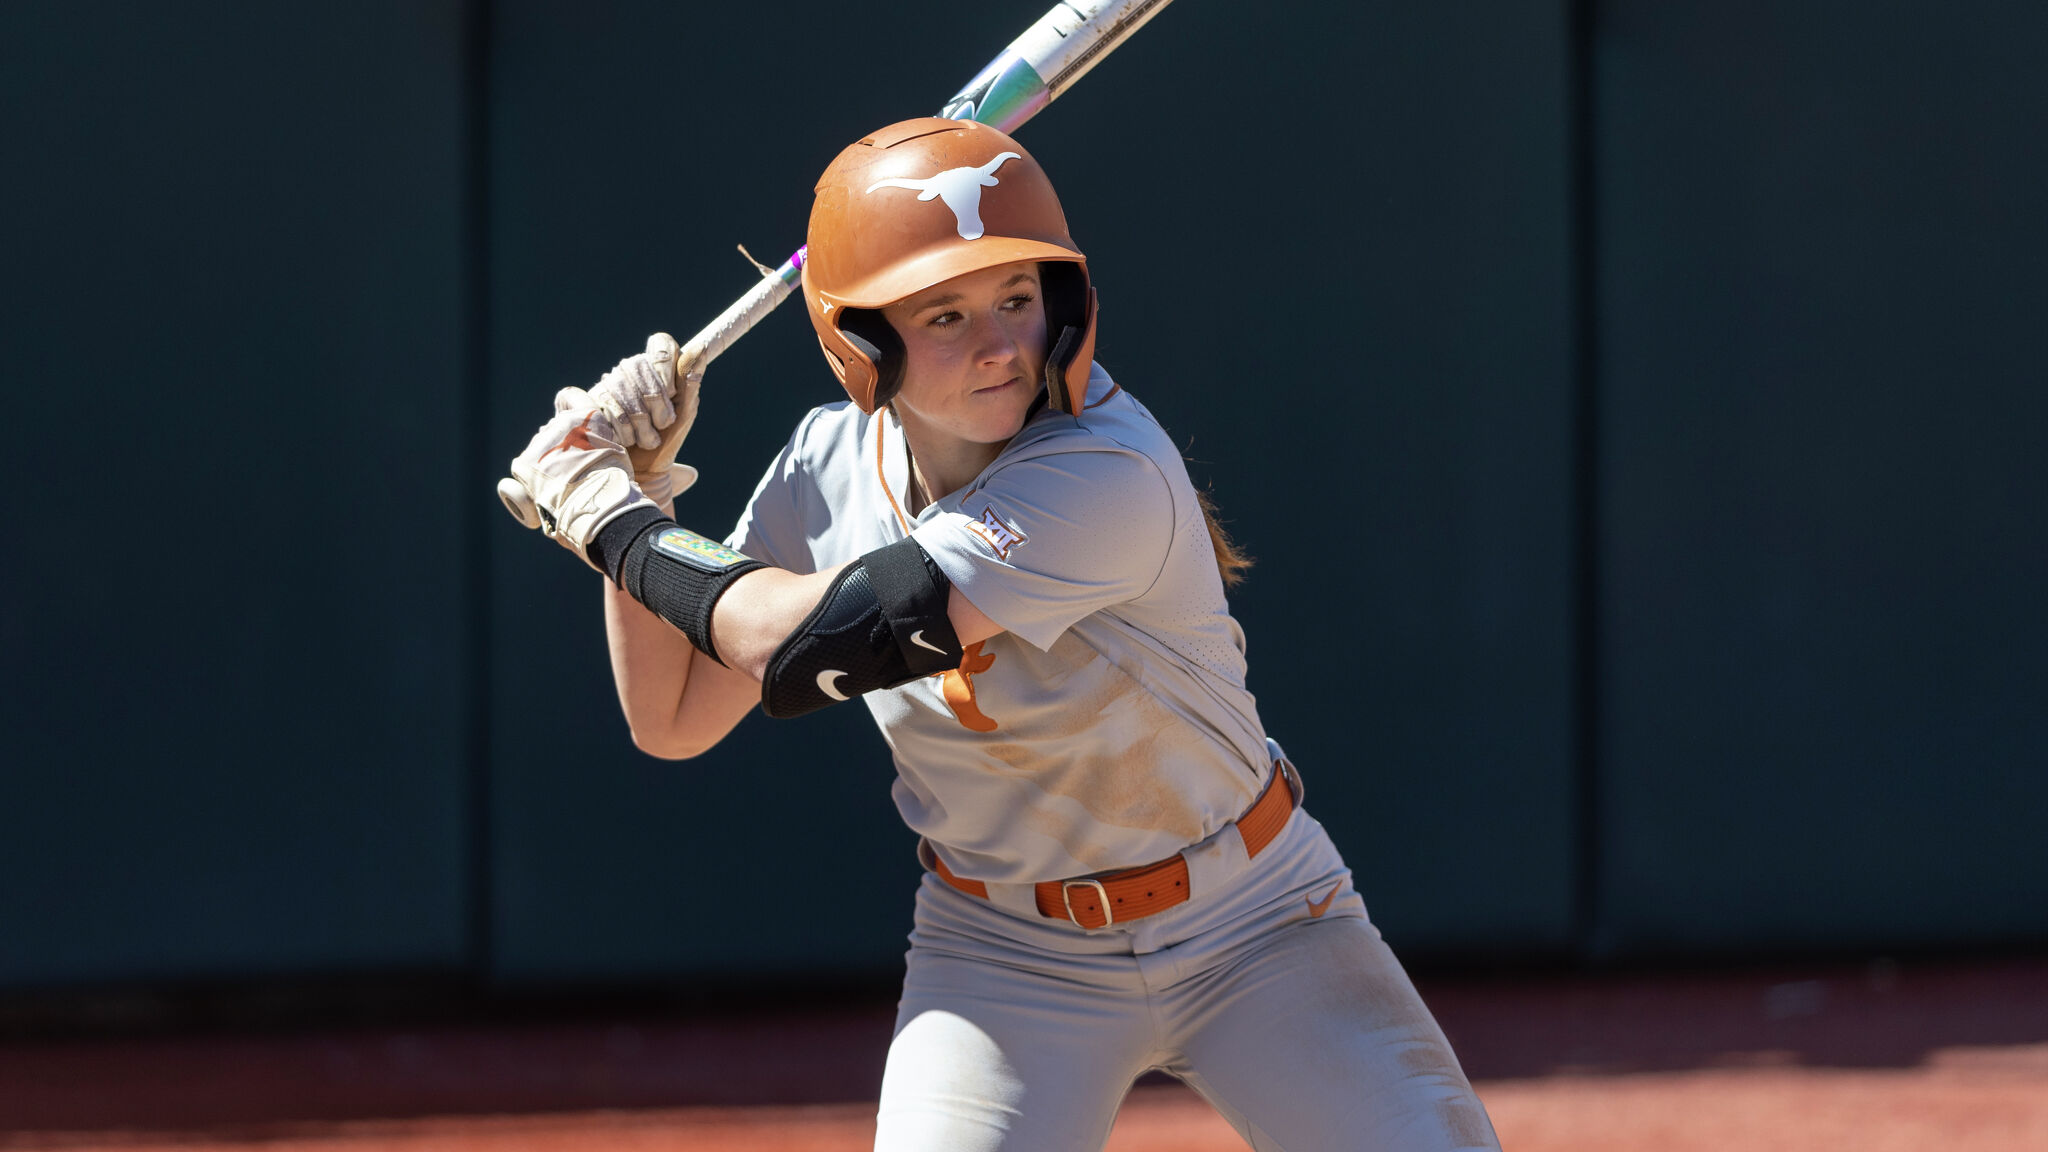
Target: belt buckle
(1102,895)
(1292,775)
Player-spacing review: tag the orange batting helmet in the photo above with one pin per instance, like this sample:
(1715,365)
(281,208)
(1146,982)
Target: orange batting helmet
(921,202)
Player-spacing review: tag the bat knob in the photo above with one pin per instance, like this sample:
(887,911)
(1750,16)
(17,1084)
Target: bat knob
(518,503)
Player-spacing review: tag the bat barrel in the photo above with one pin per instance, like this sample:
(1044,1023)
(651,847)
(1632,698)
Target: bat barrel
(1042,63)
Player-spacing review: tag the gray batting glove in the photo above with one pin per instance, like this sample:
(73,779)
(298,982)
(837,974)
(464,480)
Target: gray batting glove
(578,475)
(639,394)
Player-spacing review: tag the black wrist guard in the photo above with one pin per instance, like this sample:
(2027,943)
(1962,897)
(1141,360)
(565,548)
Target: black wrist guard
(883,622)
(680,575)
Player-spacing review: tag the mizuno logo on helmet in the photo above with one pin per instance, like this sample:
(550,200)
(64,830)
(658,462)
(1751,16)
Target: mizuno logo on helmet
(960,188)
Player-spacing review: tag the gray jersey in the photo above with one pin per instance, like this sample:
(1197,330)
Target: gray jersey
(1109,725)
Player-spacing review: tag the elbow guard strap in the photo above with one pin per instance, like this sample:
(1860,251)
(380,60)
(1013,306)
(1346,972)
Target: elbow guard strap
(680,575)
(883,622)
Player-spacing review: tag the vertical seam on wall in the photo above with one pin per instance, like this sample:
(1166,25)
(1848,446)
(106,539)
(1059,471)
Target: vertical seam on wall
(476,474)
(1588,922)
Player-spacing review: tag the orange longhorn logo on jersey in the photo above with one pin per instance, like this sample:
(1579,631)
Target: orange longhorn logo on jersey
(959,688)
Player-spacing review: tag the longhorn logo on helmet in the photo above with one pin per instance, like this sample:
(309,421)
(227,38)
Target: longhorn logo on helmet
(960,188)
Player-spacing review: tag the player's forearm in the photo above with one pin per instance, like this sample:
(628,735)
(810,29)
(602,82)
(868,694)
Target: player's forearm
(678,701)
(759,612)
(650,669)
(802,642)
(734,611)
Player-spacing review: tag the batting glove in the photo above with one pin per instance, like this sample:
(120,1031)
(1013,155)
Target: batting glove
(577,474)
(646,395)
(640,394)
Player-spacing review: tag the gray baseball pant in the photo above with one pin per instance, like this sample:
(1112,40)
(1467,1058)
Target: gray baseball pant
(1277,1002)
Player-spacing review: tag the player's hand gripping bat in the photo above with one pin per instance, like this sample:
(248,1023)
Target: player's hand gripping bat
(1032,72)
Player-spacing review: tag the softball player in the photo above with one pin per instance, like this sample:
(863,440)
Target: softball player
(997,549)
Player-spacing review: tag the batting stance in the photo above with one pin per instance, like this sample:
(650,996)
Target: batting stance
(997,550)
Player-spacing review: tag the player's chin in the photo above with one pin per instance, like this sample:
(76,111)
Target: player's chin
(999,412)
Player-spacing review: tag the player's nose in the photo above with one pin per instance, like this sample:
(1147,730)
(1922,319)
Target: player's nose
(998,344)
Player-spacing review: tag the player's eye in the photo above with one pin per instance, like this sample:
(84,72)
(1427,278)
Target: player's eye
(944,320)
(1019,302)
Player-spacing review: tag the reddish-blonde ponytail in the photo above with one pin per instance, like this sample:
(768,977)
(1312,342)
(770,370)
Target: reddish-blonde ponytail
(1231,561)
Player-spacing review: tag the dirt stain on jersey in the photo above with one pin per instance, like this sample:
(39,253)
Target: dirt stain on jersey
(1128,784)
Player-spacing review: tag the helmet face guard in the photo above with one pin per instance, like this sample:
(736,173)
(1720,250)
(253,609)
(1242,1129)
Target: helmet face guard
(915,205)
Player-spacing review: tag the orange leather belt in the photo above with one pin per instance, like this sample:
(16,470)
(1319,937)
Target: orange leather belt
(1115,897)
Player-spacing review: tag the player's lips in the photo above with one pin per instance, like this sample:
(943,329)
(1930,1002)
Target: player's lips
(995,388)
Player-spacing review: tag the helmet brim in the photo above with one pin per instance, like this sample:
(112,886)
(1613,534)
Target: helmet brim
(929,269)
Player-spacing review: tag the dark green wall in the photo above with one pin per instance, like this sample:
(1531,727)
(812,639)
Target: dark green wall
(235,644)
(1635,431)
(1823,277)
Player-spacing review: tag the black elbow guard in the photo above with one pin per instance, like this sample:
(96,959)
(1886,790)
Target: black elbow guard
(883,622)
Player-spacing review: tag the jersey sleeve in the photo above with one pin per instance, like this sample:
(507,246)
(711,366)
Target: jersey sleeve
(773,528)
(1054,538)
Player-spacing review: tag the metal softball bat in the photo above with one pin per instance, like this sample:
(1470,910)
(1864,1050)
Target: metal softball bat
(1036,69)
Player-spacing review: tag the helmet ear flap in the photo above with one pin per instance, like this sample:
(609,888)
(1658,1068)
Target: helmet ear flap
(1070,327)
(1065,288)
(1056,365)
(873,336)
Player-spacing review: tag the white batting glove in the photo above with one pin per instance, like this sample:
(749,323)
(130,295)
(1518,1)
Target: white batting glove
(577,474)
(640,393)
(644,393)
(664,486)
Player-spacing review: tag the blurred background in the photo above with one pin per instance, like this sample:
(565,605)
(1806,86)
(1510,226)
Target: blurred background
(1636,410)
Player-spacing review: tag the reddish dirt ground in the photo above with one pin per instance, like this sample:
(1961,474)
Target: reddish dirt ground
(1950,1055)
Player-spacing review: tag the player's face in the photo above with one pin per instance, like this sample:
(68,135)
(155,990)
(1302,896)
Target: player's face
(974,353)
